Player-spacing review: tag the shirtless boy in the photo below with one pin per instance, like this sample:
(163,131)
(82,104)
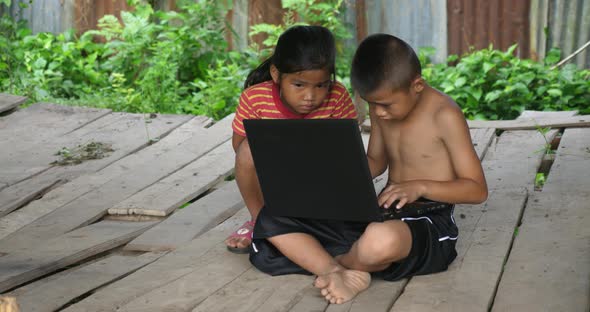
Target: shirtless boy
(421,136)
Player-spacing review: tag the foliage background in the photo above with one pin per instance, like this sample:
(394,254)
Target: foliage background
(178,62)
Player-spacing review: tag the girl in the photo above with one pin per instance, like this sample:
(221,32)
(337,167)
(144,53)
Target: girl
(297,81)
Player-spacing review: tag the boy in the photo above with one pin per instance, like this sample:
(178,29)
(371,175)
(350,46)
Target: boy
(421,135)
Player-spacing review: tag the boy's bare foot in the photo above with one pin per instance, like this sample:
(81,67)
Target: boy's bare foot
(341,286)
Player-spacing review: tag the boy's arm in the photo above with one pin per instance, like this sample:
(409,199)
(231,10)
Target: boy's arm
(376,151)
(470,185)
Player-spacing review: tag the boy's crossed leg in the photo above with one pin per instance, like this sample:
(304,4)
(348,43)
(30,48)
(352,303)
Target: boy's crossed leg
(381,244)
(337,283)
(342,278)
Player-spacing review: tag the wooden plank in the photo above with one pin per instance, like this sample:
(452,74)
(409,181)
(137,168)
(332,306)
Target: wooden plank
(532,123)
(53,293)
(521,124)
(309,300)
(191,221)
(98,192)
(211,272)
(24,263)
(569,172)
(469,284)
(9,102)
(125,133)
(379,297)
(168,269)
(256,291)
(163,197)
(546,115)
(548,266)
(481,140)
(44,121)
(16,195)
(513,159)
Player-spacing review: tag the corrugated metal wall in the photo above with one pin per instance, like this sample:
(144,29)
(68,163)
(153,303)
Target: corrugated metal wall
(477,23)
(422,23)
(562,24)
(88,12)
(450,26)
(45,15)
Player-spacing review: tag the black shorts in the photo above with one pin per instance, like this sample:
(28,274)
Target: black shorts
(433,243)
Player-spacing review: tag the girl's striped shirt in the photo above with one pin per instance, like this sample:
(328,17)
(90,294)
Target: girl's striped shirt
(262,101)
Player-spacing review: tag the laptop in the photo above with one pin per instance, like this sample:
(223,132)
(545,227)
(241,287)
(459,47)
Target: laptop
(318,169)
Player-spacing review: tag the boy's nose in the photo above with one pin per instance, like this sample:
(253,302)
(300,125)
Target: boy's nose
(379,111)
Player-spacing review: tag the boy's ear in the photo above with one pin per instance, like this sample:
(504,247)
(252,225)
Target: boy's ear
(274,73)
(418,84)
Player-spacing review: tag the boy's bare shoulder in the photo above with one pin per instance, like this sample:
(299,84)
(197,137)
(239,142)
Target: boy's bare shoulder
(446,111)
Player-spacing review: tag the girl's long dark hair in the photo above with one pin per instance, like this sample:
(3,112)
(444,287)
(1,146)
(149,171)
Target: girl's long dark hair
(299,48)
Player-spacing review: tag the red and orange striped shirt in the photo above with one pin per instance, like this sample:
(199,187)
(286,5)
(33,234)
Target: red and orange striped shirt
(262,101)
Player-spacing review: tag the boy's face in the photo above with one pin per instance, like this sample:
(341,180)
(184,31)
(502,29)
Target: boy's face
(394,105)
(304,91)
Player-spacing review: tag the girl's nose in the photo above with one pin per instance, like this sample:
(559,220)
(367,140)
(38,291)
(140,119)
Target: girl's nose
(308,95)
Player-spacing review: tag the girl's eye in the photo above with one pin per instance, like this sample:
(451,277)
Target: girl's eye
(298,85)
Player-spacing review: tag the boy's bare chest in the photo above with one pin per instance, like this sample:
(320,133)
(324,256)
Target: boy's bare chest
(413,144)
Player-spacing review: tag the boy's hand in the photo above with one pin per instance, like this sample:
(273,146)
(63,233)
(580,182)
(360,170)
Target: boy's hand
(406,192)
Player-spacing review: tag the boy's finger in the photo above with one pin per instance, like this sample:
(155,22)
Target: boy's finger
(401,203)
(387,200)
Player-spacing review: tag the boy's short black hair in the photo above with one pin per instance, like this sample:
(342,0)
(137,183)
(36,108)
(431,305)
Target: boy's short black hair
(383,59)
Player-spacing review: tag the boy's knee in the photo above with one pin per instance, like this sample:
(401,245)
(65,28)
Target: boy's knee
(380,244)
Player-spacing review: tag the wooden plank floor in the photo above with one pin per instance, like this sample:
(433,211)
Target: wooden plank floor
(143,230)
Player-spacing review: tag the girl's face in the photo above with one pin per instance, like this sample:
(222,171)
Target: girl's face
(303,91)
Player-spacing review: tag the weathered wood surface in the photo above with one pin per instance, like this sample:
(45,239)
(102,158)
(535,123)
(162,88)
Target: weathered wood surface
(171,268)
(191,221)
(58,290)
(163,197)
(124,133)
(27,262)
(548,268)
(512,161)
(570,173)
(9,102)
(125,181)
(86,183)
(201,275)
(43,122)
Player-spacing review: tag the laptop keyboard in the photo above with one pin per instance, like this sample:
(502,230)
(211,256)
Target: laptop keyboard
(415,209)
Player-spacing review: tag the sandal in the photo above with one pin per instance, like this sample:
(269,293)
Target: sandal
(244,231)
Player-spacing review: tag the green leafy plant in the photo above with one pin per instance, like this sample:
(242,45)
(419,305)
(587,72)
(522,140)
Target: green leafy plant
(546,149)
(493,84)
(540,179)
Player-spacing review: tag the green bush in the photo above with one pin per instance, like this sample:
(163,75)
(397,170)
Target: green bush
(492,84)
(177,62)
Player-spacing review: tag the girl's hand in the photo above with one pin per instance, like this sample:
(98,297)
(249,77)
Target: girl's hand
(406,192)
